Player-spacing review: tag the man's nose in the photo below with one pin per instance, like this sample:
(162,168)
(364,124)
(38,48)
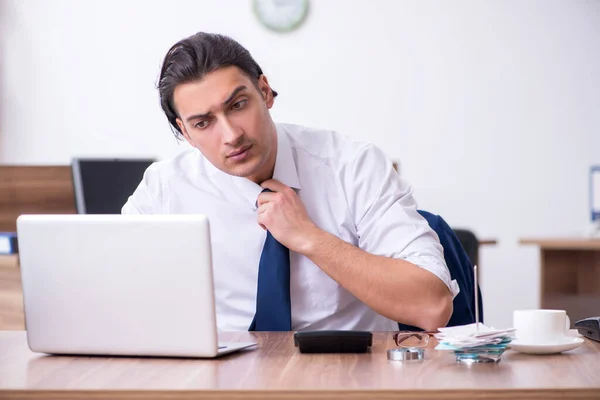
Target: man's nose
(230,133)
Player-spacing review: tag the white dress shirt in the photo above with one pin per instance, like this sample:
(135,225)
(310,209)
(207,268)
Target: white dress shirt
(349,189)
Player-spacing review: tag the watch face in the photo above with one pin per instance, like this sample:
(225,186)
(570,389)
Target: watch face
(281,15)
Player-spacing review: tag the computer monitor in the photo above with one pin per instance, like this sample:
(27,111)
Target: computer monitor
(595,194)
(103,185)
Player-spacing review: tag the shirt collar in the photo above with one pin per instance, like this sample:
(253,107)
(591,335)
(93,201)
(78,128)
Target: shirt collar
(285,162)
(285,170)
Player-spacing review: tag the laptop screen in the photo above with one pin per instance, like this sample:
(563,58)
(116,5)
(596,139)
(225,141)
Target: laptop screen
(102,186)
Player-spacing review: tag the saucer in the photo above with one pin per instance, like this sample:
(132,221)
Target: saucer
(569,343)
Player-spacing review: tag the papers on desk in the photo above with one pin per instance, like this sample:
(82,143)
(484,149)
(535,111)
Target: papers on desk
(469,337)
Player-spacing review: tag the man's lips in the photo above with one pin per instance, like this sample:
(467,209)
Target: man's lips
(238,152)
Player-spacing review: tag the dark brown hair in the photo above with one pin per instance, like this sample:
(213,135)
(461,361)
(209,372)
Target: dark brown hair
(192,58)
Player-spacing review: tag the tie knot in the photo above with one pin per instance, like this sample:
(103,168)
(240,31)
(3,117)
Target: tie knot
(263,191)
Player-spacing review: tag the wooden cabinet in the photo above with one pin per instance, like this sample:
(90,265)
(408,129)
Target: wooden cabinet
(27,190)
(11,294)
(570,275)
(34,190)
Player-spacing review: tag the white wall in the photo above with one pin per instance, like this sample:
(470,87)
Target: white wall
(490,106)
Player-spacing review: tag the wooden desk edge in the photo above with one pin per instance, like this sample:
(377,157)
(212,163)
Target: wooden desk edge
(291,394)
(574,243)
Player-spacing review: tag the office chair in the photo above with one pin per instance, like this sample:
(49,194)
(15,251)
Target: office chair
(461,268)
(469,242)
(103,185)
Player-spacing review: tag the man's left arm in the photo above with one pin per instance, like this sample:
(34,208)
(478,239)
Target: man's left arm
(398,270)
(395,288)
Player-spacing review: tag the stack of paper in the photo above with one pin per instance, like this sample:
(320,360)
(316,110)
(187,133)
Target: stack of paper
(469,342)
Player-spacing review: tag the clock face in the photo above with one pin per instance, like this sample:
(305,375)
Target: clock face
(281,15)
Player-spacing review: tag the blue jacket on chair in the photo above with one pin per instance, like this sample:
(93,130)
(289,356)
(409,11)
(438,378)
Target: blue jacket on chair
(460,268)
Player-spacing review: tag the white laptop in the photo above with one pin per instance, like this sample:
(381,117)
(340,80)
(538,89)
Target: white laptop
(130,285)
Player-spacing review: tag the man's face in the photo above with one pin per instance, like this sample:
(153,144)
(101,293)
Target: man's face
(227,118)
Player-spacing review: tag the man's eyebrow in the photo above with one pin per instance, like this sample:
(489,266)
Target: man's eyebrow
(234,93)
(198,116)
(227,101)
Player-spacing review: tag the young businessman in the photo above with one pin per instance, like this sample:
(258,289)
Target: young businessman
(360,256)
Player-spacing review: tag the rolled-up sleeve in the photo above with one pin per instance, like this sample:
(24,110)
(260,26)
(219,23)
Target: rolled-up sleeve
(386,217)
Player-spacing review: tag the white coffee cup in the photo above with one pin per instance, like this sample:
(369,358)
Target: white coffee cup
(541,326)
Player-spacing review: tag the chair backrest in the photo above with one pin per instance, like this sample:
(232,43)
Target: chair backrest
(470,243)
(103,185)
(461,269)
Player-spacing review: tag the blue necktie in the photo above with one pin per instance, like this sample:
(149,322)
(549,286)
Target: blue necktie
(273,305)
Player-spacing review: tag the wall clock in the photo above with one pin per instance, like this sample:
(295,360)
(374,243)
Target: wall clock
(281,15)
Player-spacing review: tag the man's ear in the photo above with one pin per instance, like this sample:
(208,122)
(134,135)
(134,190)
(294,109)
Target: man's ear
(184,132)
(266,91)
